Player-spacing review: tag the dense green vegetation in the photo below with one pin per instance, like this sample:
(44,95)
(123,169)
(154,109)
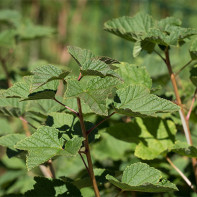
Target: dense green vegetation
(87,113)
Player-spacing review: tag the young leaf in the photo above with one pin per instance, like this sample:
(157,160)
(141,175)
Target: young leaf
(93,91)
(136,100)
(133,75)
(89,64)
(143,178)
(146,32)
(130,28)
(44,74)
(44,144)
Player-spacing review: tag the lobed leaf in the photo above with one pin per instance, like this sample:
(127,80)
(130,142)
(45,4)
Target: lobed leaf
(143,178)
(146,32)
(44,74)
(44,144)
(89,64)
(93,91)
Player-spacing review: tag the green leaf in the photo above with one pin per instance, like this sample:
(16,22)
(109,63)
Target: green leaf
(10,16)
(89,64)
(193,50)
(23,90)
(44,144)
(12,106)
(133,75)
(152,135)
(110,148)
(11,140)
(193,75)
(28,31)
(156,136)
(7,38)
(143,178)
(93,91)
(168,21)
(146,32)
(184,149)
(44,74)
(130,28)
(136,100)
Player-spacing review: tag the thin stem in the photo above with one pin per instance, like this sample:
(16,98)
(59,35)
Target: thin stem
(181,111)
(182,68)
(72,110)
(181,174)
(45,171)
(24,120)
(192,104)
(94,127)
(87,149)
(160,56)
(84,162)
(80,77)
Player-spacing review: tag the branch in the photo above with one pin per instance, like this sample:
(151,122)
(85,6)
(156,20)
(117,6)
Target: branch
(24,120)
(181,174)
(192,104)
(185,123)
(94,127)
(183,67)
(72,110)
(87,149)
(160,55)
(84,162)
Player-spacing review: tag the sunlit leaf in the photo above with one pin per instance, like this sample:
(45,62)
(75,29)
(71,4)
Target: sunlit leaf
(93,91)
(44,144)
(136,100)
(141,177)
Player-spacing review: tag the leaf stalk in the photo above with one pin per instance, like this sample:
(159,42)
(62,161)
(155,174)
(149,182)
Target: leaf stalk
(181,174)
(94,127)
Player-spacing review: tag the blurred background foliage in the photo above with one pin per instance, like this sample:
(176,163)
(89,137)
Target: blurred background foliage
(43,28)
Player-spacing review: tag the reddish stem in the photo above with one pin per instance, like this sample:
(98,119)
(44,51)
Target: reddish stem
(94,127)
